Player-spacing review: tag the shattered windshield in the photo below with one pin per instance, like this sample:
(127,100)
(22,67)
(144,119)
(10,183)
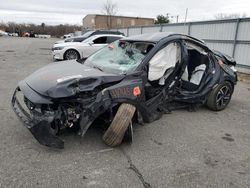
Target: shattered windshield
(120,57)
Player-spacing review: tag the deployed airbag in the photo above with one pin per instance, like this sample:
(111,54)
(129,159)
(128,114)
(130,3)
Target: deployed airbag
(163,60)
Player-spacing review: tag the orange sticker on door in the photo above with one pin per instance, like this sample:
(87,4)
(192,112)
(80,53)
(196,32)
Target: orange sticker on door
(136,91)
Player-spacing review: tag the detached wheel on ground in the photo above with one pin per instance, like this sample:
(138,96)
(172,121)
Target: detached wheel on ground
(120,124)
(71,54)
(220,96)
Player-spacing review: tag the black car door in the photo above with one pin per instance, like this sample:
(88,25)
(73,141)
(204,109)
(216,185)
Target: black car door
(163,79)
(166,66)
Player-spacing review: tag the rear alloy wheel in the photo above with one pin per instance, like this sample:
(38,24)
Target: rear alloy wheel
(71,54)
(121,123)
(220,96)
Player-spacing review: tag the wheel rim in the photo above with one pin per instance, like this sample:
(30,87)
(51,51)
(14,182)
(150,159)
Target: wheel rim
(223,96)
(71,54)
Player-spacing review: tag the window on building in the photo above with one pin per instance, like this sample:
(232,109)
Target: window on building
(132,22)
(119,21)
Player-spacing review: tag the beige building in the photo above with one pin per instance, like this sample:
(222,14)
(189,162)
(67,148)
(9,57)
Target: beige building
(96,21)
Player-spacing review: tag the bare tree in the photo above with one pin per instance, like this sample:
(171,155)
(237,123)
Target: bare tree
(43,26)
(109,9)
(222,16)
(54,30)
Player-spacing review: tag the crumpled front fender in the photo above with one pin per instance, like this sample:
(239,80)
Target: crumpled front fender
(40,128)
(42,132)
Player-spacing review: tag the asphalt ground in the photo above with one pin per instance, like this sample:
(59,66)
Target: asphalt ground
(182,149)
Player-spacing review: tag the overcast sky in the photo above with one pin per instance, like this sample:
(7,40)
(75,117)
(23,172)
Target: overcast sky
(72,11)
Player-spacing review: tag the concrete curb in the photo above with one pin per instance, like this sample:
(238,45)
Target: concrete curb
(243,77)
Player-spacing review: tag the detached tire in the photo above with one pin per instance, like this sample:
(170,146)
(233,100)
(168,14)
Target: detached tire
(122,120)
(220,96)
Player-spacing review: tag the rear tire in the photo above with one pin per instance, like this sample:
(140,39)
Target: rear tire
(220,96)
(122,120)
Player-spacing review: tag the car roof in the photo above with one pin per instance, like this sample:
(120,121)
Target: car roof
(91,38)
(107,35)
(80,36)
(101,31)
(108,31)
(156,37)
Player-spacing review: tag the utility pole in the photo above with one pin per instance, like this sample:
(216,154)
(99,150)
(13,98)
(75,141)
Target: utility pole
(177,18)
(186,16)
(167,16)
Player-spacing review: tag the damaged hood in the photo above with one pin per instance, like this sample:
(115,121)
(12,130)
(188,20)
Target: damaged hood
(67,78)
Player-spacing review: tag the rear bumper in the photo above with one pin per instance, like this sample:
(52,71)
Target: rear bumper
(38,124)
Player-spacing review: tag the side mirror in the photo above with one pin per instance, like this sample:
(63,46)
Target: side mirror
(91,43)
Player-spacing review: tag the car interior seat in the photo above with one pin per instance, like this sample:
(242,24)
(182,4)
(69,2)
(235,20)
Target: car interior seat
(196,67)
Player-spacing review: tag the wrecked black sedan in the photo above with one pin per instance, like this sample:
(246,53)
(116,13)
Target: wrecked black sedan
(136,79)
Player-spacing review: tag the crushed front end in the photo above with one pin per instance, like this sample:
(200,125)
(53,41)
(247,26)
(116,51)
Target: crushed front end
(45,117)
(36,120)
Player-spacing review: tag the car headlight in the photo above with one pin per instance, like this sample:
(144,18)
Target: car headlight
(57,48)
(233,68)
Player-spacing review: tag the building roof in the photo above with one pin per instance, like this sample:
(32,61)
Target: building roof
(118,16)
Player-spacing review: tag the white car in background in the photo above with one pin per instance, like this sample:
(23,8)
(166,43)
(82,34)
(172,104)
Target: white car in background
(68,35)
(78,50)
(72,39)
(3,33)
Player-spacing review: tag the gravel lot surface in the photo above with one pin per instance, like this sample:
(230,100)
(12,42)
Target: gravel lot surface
(182,149)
